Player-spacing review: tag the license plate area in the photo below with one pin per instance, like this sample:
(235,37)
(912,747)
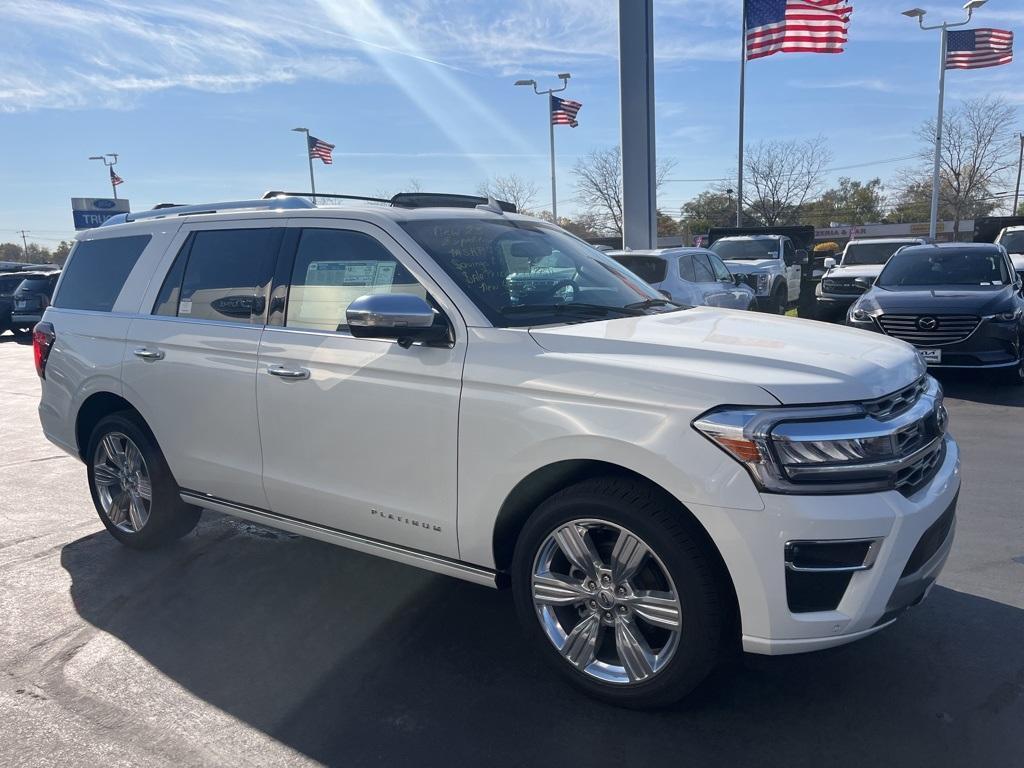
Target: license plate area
(930,356)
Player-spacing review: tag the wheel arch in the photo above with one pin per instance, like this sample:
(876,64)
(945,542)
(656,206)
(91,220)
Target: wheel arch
(95,407)
(545,481)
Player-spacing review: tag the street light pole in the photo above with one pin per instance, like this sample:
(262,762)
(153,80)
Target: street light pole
(309,157)
(108,164)
(1020,166)
(24,240)
(919,13)
(564,77)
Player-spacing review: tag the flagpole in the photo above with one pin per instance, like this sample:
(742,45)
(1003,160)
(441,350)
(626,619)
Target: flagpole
(309,157)
(551,134)
(113,186)
(743,77)
(933,219)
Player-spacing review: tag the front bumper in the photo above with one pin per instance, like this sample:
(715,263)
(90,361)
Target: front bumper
(752,543)
(991,345)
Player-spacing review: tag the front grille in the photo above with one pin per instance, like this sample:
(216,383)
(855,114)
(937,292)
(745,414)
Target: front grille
(842,285)
(930,542)
(892,405)
(747,279)
(911,479)
(929,330)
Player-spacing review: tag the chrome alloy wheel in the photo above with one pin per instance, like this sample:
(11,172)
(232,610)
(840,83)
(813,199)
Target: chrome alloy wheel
(606,601)
(122,482)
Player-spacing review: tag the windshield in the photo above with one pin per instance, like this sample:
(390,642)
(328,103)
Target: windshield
(1013,242)
(652,269)
(746,250)
(934,267)
(527,273)
(871,253)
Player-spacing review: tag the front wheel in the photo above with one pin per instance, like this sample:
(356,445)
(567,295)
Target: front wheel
(616,588)
(132,487)
(779,301)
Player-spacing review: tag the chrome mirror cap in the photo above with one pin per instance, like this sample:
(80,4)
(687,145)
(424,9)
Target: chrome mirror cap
(389,310)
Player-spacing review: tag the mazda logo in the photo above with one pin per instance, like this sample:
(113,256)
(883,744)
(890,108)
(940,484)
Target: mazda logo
(927,323)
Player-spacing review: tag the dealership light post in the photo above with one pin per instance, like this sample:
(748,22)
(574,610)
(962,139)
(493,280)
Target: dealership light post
(309,157)
(564,77)
(918,13)
(108,164)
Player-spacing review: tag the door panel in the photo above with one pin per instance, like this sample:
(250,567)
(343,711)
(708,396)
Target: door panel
(732,296)
(366,441)
(714,293)
(194,378)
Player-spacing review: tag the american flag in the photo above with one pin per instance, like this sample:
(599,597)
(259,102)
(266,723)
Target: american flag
(796,26)
(320,148)
(114,178)
(563,111)
(977,48)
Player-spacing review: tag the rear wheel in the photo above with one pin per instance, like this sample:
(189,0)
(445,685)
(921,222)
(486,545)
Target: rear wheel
(132,487)
(617,590)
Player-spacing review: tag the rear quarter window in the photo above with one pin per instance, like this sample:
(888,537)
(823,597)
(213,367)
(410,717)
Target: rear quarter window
(96,272)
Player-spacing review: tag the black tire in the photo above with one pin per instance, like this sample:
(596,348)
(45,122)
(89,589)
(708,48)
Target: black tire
(780,301)
(169,517)
(682,549)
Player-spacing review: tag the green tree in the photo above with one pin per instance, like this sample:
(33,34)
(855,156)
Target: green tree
(849,202)
(711,208)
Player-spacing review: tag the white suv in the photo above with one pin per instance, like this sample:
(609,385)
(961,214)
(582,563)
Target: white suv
(654,482)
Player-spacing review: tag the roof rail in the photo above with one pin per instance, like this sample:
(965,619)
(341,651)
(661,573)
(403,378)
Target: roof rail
(275,194)
(409,199)
(186,210)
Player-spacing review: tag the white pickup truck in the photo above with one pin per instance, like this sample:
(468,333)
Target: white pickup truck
(770,264)
(656,483)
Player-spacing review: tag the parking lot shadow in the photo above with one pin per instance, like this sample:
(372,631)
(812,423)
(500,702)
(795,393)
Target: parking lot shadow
(980,387)
(11,338)
(352,660)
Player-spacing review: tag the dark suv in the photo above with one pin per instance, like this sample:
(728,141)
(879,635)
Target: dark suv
(9,282)
(32,297)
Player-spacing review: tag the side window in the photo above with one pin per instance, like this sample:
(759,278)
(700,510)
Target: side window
(721,271)
(701,269)
(788,251)
(686,268)
(96,271)
(221,275)
(333,267)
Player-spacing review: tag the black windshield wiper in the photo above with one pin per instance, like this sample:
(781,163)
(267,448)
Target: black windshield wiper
(651,303)
(572,308)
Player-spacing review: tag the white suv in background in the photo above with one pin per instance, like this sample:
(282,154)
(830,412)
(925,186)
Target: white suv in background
(860,264)
(654,483)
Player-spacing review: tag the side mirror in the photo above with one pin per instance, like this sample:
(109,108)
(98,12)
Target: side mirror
(401,316)
(665,293)
(801,255)
(829,263)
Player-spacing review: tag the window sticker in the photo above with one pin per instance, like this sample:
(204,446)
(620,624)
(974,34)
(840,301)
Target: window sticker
(185,307)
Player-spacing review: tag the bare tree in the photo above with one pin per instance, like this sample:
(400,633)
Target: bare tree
(599,186)
(511,189)
(782,175)
(977,154)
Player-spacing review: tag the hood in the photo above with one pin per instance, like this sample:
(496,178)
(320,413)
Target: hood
(796,361)
(966,300)
(856,270)
(751,265)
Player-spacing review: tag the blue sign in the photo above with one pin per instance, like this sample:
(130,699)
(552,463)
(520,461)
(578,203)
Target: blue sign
(89,212)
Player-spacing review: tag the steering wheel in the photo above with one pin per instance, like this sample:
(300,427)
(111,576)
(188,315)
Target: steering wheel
(567,289)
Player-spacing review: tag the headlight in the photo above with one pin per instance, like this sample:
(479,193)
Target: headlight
(1004,317)
(763,281)
(864,310)
(829,449)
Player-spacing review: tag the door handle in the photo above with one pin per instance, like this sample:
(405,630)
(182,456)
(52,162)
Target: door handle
(288,373)
(148,354)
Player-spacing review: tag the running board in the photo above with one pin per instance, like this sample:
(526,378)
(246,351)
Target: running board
(424,560)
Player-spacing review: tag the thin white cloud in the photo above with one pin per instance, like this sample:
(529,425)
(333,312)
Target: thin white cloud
(862,83)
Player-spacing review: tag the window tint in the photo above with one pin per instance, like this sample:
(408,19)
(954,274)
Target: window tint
(701,269)
(721,271)
(333,267)
(651,269)
(788,250)
(686,268)
(221,275)
(96,271)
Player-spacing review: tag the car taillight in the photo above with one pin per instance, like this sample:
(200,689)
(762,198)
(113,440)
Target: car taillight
(43,337)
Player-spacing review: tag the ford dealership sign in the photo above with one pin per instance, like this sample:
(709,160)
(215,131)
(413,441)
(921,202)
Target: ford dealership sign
(90,212)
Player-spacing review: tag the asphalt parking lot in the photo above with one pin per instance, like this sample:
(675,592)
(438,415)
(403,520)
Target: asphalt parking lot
(241,645)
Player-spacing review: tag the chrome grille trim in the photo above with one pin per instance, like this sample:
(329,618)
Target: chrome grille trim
(884,408)
(948,329)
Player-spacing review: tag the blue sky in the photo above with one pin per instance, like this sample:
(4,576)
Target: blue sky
(198,98)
